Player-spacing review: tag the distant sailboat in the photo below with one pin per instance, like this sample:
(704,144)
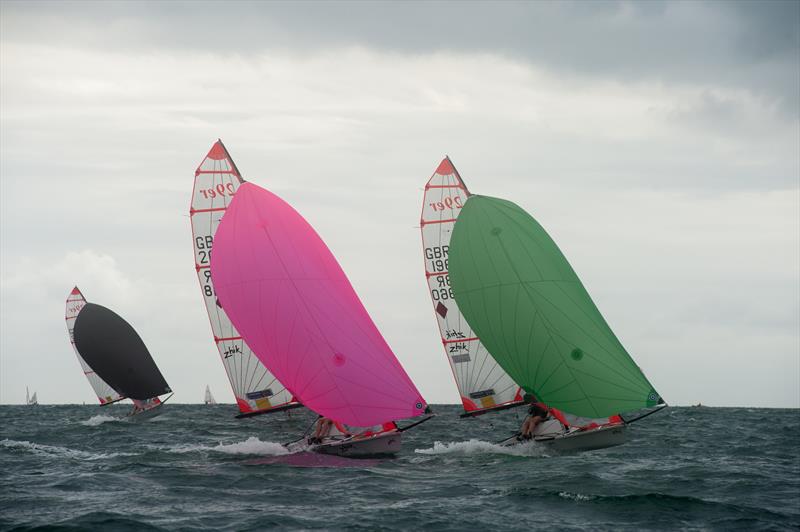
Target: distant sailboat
(30,399)
(105,393)
(209,399)
(516,297)
(257,391)
(113,349)
(286,293)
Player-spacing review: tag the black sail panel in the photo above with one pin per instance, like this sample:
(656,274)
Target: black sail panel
(117,354)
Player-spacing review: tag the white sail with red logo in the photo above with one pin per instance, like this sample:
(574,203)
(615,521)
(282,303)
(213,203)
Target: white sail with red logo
(257,390)
(482,383)
(105,393)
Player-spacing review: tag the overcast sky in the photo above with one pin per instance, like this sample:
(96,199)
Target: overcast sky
(656,142)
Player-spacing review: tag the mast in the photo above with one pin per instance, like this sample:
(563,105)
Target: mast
(257,391)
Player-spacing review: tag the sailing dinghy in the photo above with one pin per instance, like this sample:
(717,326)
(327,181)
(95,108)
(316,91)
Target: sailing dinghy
(30,400)
(209,399)
(288,296)
(512,294)
(257,391)
(116,353)
(105,393)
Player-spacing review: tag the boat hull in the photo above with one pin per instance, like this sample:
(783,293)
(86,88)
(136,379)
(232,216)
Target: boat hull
(589,440)
(385,444)
(144,415)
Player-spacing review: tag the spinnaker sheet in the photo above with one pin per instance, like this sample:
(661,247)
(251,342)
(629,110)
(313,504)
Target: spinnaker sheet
(256,389)
(482,383)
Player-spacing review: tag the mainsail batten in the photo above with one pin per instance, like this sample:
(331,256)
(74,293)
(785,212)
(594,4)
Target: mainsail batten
(284,290)
(482,383)
(105,393)
(530,309)
(256,389)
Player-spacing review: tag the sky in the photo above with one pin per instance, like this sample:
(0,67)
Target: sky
(657,142)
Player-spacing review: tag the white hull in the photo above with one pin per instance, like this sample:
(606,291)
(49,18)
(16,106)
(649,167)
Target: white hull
(387,443)
(144,415)
(588,440)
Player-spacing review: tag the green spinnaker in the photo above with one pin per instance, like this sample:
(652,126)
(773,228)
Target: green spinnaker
(530,310)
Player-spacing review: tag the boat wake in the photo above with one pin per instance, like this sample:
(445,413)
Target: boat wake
(54,451)
(99,419)
(251,445)
(473,447)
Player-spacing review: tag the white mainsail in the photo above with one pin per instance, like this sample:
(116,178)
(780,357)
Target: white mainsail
(256,389)
(209,399)
(30,400)
(105,393)
(482,383)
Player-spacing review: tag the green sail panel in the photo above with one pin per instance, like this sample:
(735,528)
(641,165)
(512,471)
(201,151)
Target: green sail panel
(528,307)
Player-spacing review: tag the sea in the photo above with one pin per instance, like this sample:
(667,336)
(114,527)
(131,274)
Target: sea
(196,467)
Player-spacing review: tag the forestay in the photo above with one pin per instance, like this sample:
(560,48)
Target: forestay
(105,393)
(482,383)
(287,294)
(256,389)
(529,308)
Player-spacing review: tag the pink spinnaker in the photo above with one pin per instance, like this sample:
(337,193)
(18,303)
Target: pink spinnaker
(287,295)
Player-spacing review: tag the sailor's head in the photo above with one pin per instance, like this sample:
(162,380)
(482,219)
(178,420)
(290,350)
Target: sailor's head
(528,398)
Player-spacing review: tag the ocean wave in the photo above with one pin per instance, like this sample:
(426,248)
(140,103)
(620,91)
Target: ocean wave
(251,445)
(473,447)
(58,452)
(576,496)
(94,421)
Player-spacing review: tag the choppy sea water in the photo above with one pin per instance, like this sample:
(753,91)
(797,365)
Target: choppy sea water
(198,468)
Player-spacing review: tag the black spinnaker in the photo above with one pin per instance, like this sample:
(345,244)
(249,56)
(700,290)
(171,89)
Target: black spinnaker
(117,354)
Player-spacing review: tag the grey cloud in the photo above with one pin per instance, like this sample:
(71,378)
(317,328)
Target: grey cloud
(751,45)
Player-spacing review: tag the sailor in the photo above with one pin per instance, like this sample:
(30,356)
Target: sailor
(323,429)
(537,412)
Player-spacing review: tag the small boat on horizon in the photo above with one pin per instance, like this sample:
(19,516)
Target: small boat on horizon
(30,400)
(288,296)
(116,358)
(208,399)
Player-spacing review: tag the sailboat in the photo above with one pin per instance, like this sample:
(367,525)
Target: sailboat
(257,391)
(116,353)
(105,393)
(30,400)
(512,293)
(209,399)
(285,292)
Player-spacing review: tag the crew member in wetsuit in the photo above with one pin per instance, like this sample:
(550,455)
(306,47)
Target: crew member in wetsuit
(537,412)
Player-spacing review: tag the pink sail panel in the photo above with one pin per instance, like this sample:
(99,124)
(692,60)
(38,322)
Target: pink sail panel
(287,295)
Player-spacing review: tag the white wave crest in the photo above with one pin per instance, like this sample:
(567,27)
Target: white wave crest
(251,445)
(576,496)
(98,420)
(54,451)
(473,447)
